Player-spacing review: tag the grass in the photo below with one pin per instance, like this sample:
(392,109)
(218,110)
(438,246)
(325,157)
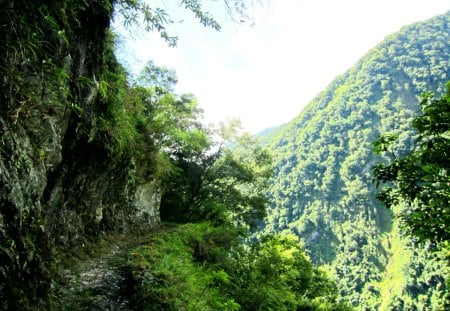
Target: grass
(167,273)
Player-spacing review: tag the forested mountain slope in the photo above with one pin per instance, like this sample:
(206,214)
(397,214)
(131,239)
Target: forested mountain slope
(322,189)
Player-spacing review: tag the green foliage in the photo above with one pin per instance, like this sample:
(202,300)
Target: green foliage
(322,188)
(161,132)
(221,185)
(203,181)
(33,48)
(201,267)
(179,269)
(148,124)
(274,274)
(116,126)
(420,177)
(154,76)
(138,14)
(409,276)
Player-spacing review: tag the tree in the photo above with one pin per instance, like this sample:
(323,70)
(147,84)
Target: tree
(155,76)
(225,185)
(207,173)
(420,179)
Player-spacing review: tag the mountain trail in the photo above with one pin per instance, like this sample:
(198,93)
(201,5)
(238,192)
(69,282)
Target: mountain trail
(100,281)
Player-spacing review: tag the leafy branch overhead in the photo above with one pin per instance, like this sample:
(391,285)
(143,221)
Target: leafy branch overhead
(138,14)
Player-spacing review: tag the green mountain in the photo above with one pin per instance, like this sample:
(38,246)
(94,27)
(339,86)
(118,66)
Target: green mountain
(322,189)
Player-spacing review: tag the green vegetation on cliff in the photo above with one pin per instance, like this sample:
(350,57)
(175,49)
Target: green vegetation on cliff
(322,188)
(85,156)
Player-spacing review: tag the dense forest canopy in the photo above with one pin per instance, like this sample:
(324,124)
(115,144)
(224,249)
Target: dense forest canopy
(322,188)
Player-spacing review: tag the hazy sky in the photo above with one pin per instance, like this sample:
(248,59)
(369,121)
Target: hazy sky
(266,70)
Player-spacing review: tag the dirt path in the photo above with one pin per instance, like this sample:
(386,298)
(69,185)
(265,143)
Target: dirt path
(98,283)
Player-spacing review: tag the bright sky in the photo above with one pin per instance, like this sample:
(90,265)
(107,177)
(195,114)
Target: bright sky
(265,73)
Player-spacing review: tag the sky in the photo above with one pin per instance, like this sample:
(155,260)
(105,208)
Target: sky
(265,70)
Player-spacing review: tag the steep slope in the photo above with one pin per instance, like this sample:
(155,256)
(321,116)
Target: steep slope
(322,189)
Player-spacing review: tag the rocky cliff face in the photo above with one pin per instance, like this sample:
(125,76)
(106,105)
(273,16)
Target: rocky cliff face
(61,182)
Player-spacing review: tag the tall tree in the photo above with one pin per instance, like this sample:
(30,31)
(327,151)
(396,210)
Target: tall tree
(220,184)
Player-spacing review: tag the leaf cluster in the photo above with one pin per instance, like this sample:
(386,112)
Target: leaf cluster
(140,14)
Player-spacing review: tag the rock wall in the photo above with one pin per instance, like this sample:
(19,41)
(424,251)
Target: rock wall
(60,183)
